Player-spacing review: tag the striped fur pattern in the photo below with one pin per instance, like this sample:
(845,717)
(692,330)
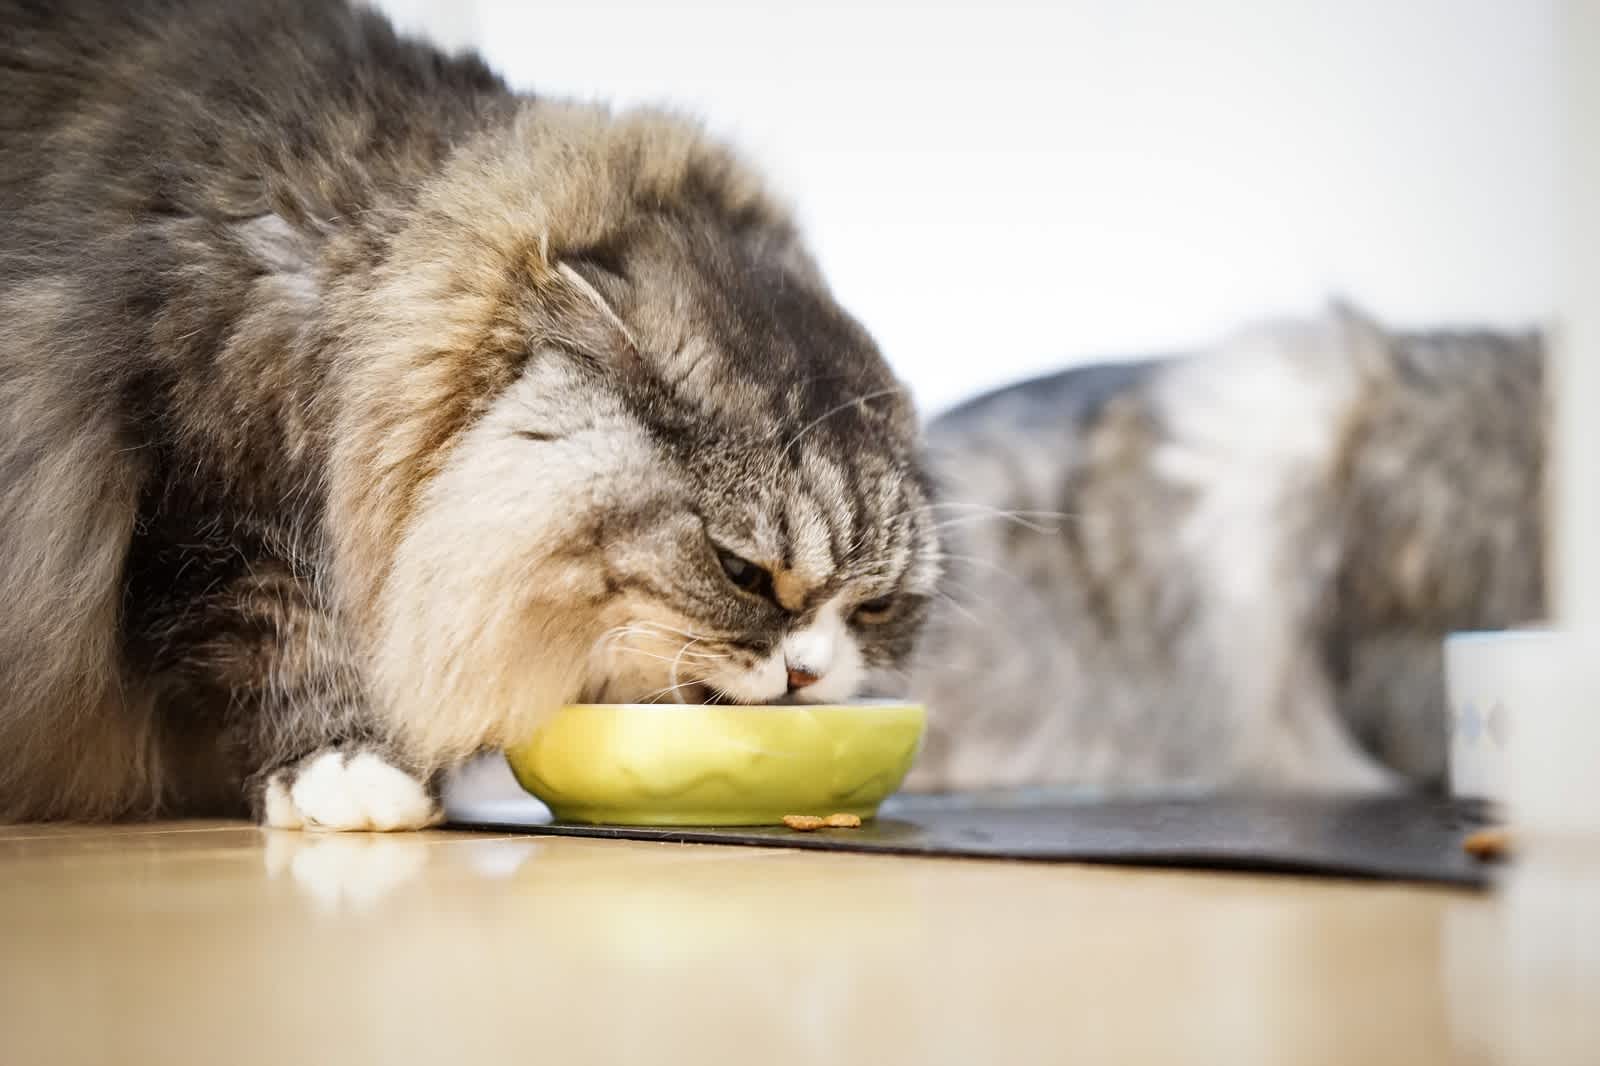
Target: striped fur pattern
(356,410)
(1234,568)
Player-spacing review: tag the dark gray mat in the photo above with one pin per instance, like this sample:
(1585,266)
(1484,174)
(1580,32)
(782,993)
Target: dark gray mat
(1399,838)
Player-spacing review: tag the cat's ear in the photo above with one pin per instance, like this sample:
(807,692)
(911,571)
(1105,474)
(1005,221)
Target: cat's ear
(1368,348)
(598,304)
(577,315)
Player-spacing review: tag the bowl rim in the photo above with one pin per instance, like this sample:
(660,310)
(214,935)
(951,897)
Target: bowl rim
(763,708)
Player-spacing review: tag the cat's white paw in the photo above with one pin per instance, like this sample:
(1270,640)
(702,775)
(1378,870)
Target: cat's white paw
(348,793)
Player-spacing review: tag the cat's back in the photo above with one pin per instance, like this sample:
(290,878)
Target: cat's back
(1012,447)
(116,114)
(178,181)
(1049,404)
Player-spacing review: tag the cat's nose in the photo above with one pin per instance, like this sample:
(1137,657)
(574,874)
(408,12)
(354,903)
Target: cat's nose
(799,678)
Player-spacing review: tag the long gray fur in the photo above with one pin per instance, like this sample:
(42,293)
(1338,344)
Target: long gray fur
(1232,568)
(352,404)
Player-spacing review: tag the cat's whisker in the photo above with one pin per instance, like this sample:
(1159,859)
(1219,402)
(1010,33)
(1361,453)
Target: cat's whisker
(959,607)
(695,657)
(641,628)
(1023,512)
(1030,520)
(663,627)
(609,636)
(679,658)
(937,505)
(876,394)
(655,696)
(940,504)
(621,633)
(987,508)
(1032,527)
(977,560)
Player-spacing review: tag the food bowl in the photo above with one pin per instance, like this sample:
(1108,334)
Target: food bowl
(693,765)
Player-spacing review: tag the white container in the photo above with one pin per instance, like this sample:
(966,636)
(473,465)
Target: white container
(1493,681)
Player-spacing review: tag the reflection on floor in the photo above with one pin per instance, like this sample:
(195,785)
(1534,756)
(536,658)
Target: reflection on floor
(213,942)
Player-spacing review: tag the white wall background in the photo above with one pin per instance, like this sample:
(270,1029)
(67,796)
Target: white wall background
(1000,188)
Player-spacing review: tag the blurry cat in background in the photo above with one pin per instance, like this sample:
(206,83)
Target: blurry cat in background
(1231,569)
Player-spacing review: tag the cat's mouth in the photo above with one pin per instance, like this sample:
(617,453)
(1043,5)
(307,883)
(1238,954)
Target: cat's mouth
(715,697)
(698,695)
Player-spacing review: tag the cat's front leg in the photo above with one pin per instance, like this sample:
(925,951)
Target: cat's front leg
(299,719)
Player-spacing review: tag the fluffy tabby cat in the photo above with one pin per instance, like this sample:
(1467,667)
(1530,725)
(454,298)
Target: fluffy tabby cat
(1232,569)
(354,409)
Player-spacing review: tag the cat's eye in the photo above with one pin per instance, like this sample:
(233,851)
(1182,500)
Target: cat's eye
(743,573)
(874,610)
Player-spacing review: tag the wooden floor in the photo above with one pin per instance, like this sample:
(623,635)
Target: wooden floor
(222,943)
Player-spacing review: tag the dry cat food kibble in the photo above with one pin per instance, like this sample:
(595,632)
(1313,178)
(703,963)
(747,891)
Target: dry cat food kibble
(1488,844)
(805,823)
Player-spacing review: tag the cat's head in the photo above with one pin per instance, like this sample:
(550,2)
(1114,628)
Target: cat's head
(607,436)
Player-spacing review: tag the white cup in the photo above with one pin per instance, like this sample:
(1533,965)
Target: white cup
(1493,681)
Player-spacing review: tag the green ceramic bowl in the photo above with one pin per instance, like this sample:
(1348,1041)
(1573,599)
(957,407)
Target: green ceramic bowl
(688,764)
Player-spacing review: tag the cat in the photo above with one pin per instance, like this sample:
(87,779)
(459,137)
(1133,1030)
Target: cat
(357,409)
(1231,569)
